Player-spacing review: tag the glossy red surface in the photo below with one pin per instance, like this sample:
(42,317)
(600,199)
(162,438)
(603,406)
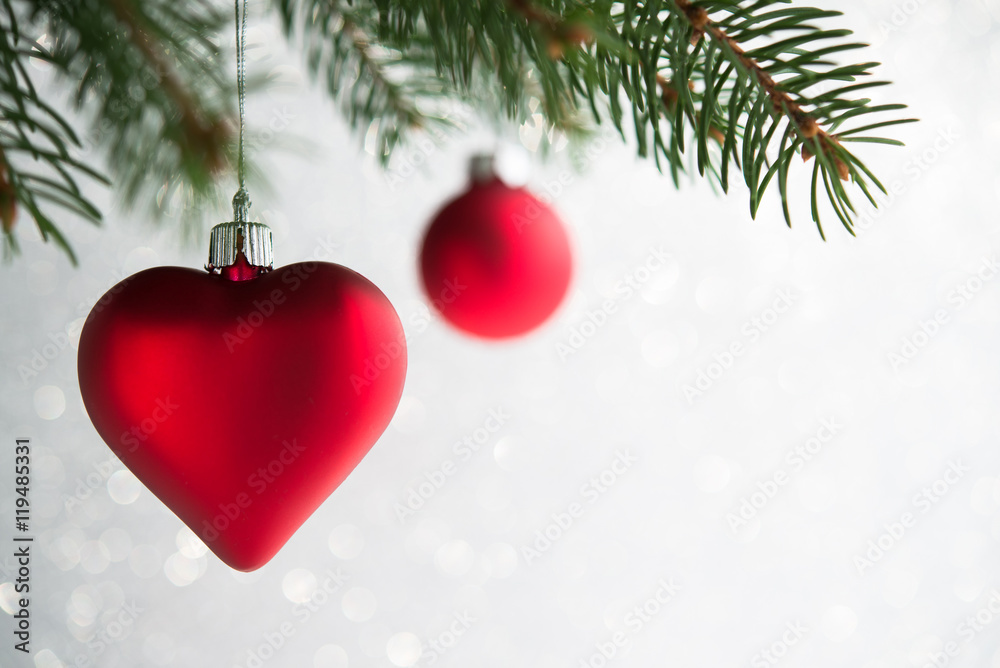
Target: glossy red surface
(496,262)
(242,405)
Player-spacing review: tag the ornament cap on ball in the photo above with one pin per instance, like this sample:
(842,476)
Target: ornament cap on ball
(496,261)
(483,168)
(228,240)
(240,250)
(243,246)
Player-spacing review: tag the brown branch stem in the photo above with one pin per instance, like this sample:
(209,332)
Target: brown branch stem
(559,32)
(203,137)
(781,101)
(8,196)
(362,46)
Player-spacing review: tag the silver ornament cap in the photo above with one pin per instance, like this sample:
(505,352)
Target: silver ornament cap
(482,168)
(223,246)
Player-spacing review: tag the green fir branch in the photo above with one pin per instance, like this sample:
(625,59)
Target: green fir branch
(717,87)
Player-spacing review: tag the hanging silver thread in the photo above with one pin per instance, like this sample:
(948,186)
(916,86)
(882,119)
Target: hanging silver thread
(241,201)
(229,239)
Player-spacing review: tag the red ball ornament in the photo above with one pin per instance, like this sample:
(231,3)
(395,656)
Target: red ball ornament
(242,399)
(496,261)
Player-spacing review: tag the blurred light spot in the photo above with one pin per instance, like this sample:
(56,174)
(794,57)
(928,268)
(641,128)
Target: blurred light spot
(94,557)
(330,656)
(659,288)
(50,402)
(73,330)
(372,639)
(454,558)
(180,570)
(359,604)
(500,560)
(346,541)
(403,649)
(65,550)
(84,605)
(138,259)
(839,623)
(144,561)
(123,487)
(970,585)
(8,598)
(511,454)
(512,164)
(712,474)
(189,544)
(410,415)
(46,658)
(299,585)
(421,543)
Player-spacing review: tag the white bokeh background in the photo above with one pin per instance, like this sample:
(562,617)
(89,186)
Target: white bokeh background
(118,581)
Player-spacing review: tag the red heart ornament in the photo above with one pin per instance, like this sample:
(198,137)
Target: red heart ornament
(242,404)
